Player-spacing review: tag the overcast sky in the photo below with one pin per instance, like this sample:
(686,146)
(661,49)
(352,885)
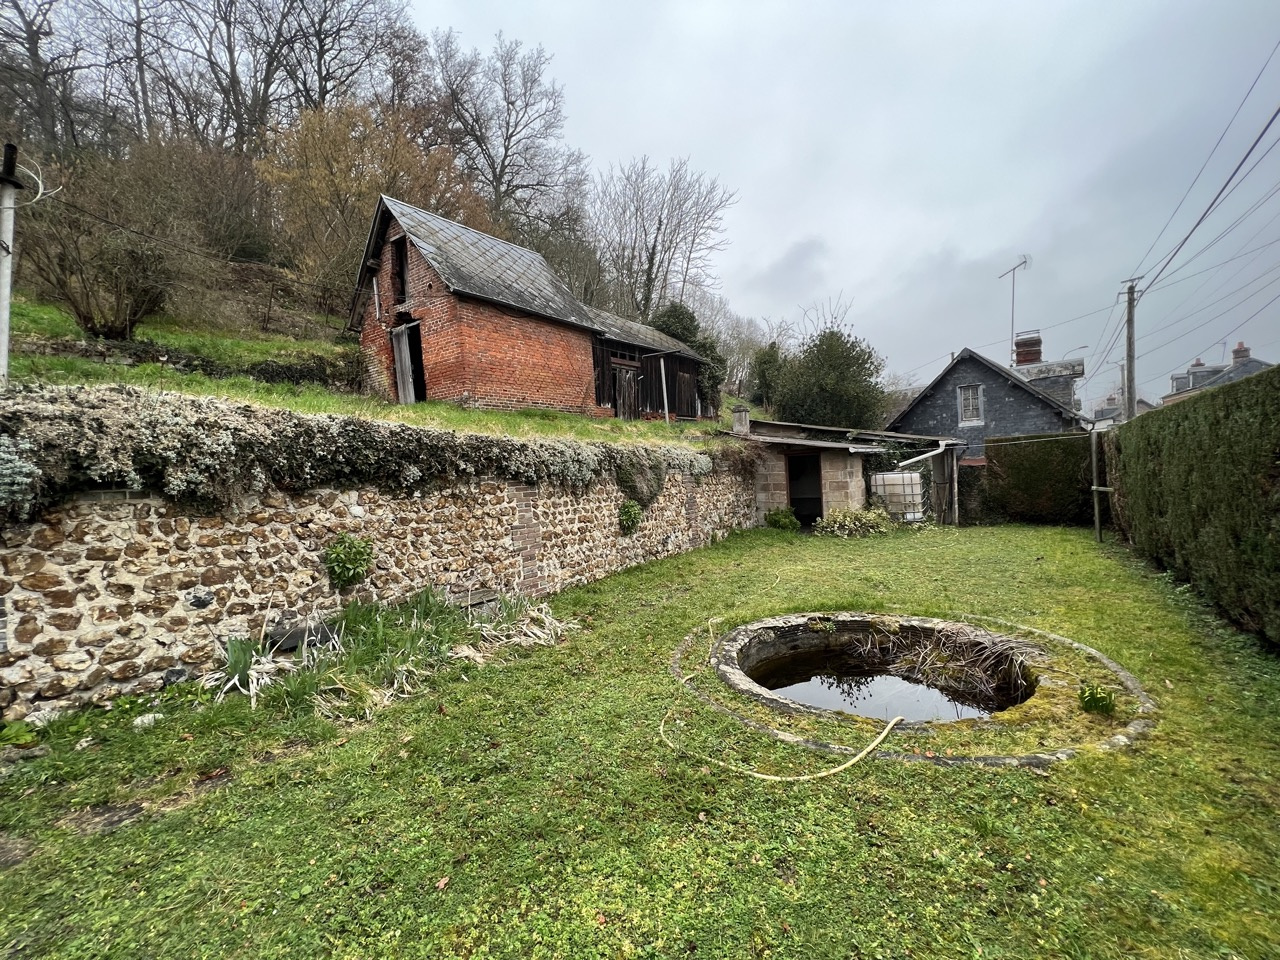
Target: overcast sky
(907,153)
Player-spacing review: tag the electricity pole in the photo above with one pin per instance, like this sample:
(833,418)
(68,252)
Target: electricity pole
(9,185)
(1130,381)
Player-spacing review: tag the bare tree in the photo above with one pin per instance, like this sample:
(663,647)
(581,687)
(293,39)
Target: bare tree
(737,337)
(506,123)
(657,231)
(42,57)
(335,47)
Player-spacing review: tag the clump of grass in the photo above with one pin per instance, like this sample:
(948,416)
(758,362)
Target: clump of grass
(1095,698)
(630,514)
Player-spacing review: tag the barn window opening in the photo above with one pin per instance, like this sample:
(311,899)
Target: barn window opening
(400,268)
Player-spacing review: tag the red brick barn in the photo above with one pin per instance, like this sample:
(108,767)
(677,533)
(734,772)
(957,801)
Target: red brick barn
(445,312)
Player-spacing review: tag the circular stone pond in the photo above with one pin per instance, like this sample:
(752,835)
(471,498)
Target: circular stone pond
(921,669)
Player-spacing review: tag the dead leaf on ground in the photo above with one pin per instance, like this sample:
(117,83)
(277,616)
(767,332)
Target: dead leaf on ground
(442,883)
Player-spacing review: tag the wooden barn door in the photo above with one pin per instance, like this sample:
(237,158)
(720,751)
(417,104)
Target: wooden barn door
(406,352)
(626,391)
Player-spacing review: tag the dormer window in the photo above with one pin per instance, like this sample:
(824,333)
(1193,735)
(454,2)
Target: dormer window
(400,269)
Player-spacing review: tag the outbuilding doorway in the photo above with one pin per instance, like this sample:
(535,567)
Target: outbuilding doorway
(804,486)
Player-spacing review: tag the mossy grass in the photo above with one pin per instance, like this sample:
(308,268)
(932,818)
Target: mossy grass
(530,809)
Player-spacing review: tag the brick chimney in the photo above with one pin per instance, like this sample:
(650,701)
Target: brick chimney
(1026,348)
(1240,354)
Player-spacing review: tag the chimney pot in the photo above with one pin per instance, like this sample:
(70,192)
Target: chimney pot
(1240,354)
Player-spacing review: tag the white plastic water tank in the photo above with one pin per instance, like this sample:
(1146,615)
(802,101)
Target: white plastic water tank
(902,494)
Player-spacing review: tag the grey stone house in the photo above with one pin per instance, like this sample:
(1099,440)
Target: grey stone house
(975,398)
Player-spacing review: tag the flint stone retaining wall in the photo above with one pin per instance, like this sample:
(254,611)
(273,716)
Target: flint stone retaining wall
(109,596)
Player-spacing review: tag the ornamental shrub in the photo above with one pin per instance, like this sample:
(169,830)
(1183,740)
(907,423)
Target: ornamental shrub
(1197,489)
(782,518)
(853,523)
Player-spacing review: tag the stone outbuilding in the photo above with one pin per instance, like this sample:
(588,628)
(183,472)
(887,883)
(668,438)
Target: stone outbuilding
(815,469)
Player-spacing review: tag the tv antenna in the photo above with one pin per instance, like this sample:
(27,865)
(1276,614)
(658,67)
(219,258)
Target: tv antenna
(1012,274)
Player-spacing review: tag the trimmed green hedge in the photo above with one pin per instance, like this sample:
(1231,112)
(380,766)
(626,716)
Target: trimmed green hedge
(1047,481)
(1198,491)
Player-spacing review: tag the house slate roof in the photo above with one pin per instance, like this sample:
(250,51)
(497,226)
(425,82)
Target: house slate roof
(1237,371)
(1009,373)
(613,327)
(476,264)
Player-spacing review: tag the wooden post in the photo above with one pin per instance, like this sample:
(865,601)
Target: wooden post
(662,369)
(955,485)
(1130,384)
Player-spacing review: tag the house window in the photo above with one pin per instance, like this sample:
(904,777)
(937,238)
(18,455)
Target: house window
(971,403)
(399,268)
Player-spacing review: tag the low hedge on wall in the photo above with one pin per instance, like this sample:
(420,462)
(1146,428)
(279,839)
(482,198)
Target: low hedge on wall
(1047,481)
(57,441)
(1198,491)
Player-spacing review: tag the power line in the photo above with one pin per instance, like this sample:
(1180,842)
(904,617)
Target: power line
(1166,327)
(1166,261)
(1226,338)
(185,249)
(983,346)
(1253,208)
(1204,165)
(1219,316)
(1216,266)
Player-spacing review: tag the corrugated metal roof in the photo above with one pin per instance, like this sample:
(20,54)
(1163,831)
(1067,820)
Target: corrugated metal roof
(479,265)
(639,334)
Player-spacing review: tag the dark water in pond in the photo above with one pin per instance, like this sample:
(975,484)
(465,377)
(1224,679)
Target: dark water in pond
(831,685)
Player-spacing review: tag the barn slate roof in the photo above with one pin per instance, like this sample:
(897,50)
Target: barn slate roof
(478,265)
(613,327)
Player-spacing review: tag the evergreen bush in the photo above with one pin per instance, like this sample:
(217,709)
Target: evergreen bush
(1047,481)
(1198,491)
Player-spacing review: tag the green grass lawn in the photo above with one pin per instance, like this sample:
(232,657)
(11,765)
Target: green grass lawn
(530,809)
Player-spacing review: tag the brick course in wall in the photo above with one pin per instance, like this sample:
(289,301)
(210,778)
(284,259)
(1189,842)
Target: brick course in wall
(105,597)
(476,352)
